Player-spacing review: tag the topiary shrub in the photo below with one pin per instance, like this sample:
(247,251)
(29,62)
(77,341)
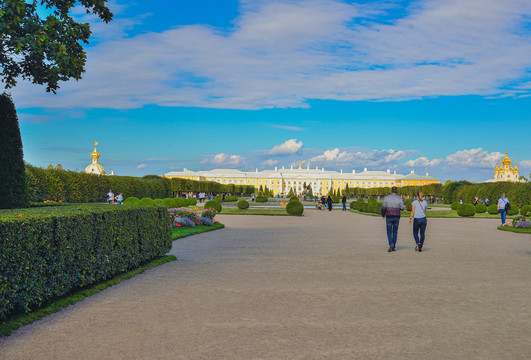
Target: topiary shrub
(454,205)
(218,198)
(481,208)
(216,205)
(293,198)
(131,200)
(294,208)
(492,209)
(515,210)
(169,203)
(158,202)
(190,202)
(146,201)
(466,210)
(13,188)
(231,198)
(525,210)
(243,204)
(261,199)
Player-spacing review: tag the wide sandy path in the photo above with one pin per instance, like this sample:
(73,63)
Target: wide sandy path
(320,286)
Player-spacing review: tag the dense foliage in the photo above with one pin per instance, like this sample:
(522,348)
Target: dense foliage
(231,198)
(294,207)
(261,199)
(514,210)
(371,206)
(184,185)
(454,205)
(13,191)
(492,209)
(466,210)
(243,204)
(481,208)
(47,252)
(525,210)
(213,205)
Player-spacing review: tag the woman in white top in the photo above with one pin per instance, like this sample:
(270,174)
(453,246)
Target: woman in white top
(418,212)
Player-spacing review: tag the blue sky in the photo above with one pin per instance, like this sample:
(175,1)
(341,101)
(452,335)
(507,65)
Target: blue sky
(436,86)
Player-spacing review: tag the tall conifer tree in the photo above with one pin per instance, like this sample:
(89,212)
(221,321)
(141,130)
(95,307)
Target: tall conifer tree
(13,191)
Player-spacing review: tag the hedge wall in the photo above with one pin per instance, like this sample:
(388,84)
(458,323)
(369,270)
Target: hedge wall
(77,187)
(47,252)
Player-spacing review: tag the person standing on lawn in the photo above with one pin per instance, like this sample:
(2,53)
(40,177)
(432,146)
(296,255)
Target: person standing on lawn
(503,206)
(418,214)
(391,208)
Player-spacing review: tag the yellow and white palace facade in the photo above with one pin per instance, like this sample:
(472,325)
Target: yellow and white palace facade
(505,171)
(281,181)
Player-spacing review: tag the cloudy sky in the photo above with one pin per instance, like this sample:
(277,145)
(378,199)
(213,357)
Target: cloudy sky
(438,86)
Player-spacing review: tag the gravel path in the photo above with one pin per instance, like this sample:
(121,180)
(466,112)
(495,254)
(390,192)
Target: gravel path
(322,286)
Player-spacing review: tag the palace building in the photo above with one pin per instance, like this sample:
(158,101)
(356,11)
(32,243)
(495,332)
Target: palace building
(505,171)
(94,167)
(281,181)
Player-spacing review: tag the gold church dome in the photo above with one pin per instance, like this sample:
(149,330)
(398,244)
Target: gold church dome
(506,161)
(94,167)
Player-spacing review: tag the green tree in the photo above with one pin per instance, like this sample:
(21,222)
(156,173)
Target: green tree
(45,50)
(13,188)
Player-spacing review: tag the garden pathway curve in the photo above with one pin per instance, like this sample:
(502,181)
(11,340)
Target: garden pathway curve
(322,286)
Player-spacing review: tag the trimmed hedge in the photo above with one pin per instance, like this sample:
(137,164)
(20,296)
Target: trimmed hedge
(48,252)
(515,210)
(492,209)
(146,201)
(293,198)
(261,199)
(243,204)
(218,198)
(213,205)
(294,207)
(481,208)
(466,210)
(455,205)
(524,210)
(231,198)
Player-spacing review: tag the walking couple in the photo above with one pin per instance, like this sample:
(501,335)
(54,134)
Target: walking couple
(391,208)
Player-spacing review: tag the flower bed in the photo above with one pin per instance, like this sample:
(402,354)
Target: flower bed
(184,217)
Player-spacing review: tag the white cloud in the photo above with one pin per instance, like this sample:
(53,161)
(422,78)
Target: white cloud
(269,162)
(285,127)
(141,166)
(475,158)
(422,162)
(526,164)
(287,148)
(282,53)
(374,158)
(223,159)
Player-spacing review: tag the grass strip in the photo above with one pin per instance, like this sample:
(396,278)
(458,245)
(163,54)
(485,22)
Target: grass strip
(513,229)
(251,211)
(179,233)
(13,323)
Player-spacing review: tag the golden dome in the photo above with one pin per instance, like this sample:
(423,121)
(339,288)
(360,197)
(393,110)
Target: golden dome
(506,161)
(95,168)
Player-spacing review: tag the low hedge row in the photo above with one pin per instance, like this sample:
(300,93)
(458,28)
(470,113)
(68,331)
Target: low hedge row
(48,252)
(372,206)
(168,202)
(261,199)
(231,198)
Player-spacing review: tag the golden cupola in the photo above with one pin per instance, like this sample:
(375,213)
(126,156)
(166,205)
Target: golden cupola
(506,161)
(94,167)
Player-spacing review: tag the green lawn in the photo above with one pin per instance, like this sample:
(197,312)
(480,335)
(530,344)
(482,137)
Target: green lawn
(179,233)
(252,211)
(7,326)
(513,229)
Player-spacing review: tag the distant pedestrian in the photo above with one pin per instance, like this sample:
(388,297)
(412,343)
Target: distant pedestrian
(253,196)
(329,201)
(503,207)
(418,214)
(461,201)
(323,201)
(110,197)
(344,201)
(391,208)
(476,201)
(487,202)
(119,199)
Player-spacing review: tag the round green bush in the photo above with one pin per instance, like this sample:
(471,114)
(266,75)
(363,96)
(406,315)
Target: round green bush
(295,208)
(353,205)
(131,200)
(213,205)
(218,198)
(293,198)
(454,205)
(191,201)
(231,198)
(492,209)
(158,202)
(243,204)
(525,210)
(481,208)
(261,199)
(146,201)
(515,210)
(466,210)
(169,203)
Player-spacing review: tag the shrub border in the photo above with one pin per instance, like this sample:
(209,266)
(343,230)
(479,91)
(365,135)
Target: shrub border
(513,229)
(8,326)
